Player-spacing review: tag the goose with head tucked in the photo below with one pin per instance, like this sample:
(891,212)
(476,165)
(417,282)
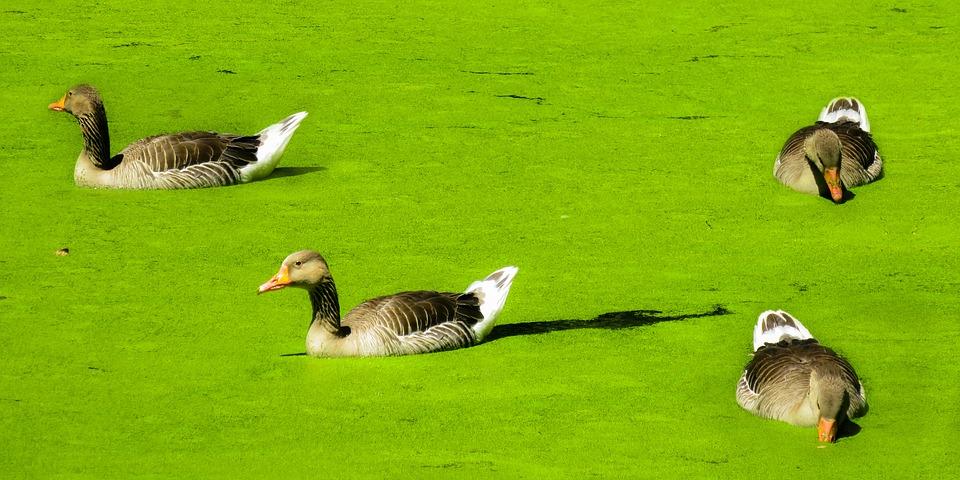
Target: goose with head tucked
(832,155)
(400,324)
(795,379)
(182,160)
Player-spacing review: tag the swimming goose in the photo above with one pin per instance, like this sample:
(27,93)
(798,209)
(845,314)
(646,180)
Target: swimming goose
(795,379)
(182,160)
(835,153)
(401,324)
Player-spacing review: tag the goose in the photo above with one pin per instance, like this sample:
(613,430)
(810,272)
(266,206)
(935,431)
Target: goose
(182,160)
(401,324)
(795,379)
(835,153)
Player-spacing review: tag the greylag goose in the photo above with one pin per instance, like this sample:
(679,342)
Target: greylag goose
(182,160)
(795,379)
(835,153)
(401,324)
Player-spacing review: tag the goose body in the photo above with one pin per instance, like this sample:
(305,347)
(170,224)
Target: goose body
(182,160)
(835,153)
(795,379)
(401,324)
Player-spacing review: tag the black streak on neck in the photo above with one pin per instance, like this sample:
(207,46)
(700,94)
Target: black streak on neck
(326,308)
(96,137)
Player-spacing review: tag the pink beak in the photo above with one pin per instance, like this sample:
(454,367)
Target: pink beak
(58,105)
(280,280)
(832,177)
(827,430)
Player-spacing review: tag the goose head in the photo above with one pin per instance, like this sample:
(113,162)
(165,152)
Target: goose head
(822,149)
(830,397)
(79,100)
(303,269)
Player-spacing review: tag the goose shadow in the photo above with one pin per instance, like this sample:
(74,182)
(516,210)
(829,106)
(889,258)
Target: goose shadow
(848,429)
(847,195)
(605,321)
(281,172)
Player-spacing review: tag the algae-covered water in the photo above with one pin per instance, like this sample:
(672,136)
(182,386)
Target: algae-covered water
(620,155)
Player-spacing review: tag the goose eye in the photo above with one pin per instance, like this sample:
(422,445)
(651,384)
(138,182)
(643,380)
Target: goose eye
(298,263)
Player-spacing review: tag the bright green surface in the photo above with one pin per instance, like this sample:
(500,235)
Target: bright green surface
(146,350)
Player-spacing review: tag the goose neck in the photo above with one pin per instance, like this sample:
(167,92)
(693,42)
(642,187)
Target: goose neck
(96,137)
(326,307)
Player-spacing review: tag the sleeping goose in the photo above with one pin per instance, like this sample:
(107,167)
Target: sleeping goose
(835,153)
(182,160)
(794,379)
(401,324)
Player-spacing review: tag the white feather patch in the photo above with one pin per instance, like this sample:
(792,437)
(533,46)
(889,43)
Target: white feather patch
(273,140)
(776,325)
(492,292)
(845,108)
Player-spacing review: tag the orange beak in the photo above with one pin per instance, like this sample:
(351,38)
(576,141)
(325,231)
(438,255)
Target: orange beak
(832,177)
(826,430)
(280,280)
(58,105)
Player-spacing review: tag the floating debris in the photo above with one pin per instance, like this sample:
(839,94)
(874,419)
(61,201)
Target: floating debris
(475,72)
(539,100)
(133,44)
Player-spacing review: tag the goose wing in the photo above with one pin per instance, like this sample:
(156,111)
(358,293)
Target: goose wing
(794,144)
(182,150)
(791,156)
(828,362)
(417,322)
(411,312)
(861,162)
(776,379)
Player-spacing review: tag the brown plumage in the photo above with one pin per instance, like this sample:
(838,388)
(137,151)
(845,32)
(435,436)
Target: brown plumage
(181,160)
(400,324)
(795,379)
(836,153)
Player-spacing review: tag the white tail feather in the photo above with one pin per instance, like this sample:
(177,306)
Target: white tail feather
(776,325)
(273,140)
(845,108)
(492,292)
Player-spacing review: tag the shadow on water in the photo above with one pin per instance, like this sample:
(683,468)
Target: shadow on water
(848,429)
(847,195)
(281,172)
(606,321)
